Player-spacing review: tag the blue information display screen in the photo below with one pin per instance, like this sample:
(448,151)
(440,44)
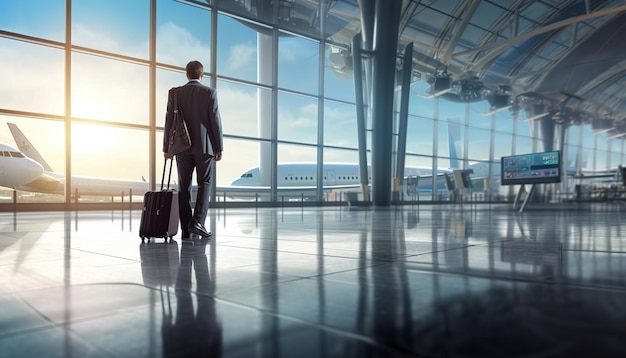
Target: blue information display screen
(532,168)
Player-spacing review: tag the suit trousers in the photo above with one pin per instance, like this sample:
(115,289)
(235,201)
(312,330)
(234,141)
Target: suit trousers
(202,163)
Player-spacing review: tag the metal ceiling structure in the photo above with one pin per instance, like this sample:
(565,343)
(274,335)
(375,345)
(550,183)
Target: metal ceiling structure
(564,56)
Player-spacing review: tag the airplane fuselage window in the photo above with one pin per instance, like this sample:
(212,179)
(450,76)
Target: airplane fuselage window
(298,178)
(11,154)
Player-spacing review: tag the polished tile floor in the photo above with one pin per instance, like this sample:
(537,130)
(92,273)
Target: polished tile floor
(413,281)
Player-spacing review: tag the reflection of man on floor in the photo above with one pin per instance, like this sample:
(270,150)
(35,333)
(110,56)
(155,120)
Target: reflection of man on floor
(198,335)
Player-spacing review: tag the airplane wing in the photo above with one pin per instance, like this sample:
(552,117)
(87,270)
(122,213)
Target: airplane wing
(44,184)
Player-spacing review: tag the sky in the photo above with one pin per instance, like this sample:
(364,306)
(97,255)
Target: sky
(115,91)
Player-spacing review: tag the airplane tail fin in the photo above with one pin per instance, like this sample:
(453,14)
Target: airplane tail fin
(26,147)
(454,141)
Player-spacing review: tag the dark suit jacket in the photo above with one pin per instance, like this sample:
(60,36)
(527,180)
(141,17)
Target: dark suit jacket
(198,104)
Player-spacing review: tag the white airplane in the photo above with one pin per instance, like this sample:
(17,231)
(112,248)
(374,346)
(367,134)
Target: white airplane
(302,176)
(28,171)
(336,176)
(346,175)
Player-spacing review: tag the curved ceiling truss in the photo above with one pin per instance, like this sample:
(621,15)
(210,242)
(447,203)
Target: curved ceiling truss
(555,50)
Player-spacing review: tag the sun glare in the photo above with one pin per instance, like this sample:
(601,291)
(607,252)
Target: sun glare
(91,139)
(90,108)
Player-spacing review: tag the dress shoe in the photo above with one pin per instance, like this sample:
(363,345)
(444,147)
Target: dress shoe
(198,229)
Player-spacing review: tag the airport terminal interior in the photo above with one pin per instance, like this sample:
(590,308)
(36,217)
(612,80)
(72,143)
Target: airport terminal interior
(406,178)
(479,280)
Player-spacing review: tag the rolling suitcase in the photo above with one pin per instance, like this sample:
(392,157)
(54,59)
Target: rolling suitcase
(159,216)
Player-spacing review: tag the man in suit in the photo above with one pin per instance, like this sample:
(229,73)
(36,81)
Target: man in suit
(198,105)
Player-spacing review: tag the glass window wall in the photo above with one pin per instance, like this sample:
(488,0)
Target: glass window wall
(112,94)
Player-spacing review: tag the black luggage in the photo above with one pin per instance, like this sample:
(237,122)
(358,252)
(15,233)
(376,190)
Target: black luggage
(160,217)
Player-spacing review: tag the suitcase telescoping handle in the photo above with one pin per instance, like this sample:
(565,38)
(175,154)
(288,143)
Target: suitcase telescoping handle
(169,177)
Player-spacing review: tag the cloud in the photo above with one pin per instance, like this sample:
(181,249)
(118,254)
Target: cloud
(241,56)
(294,153)
(238,109)
(340,116)
(177,46)
(298,123)
(340,126)
(290,50)
(83,35)
(302,117)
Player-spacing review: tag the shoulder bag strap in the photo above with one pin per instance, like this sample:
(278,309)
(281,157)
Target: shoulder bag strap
(175,102)
(176,108)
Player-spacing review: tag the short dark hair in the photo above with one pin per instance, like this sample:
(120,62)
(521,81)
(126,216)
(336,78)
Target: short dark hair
(194,69)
